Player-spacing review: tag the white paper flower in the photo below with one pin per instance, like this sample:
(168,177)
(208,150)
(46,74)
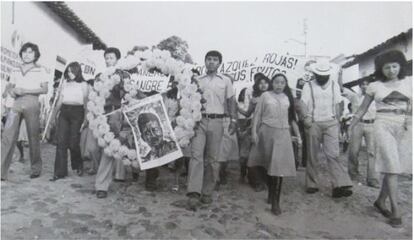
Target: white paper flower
(101,142)
(135,164)
(132,154)
(126,162)
(109,136)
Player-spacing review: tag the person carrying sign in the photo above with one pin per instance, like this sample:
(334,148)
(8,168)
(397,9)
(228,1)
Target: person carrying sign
(204,166)
(320,115)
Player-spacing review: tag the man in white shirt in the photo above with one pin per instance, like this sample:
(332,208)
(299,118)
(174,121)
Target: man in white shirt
(320,114)
(364,129)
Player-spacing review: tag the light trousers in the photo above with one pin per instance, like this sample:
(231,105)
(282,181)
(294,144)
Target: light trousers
(26,107)
(325,133)
(366,131)
(204,165)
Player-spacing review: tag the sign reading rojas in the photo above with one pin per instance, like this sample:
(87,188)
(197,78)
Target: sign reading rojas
(269,64)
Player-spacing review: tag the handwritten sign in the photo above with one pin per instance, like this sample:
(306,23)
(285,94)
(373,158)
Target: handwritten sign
(148,82)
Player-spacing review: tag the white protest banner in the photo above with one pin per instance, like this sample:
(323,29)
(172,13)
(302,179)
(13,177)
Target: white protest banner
(154,137)
(270,63)
(148,82)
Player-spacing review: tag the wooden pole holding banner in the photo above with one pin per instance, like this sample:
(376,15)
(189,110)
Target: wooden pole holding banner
(52,107)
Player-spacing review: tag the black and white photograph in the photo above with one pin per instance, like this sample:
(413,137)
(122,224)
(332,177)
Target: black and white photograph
(155,140)
(206,120)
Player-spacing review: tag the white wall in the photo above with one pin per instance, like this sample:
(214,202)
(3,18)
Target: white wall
(35,22)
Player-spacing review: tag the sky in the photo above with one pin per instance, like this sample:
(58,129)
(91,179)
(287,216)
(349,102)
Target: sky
(246,29)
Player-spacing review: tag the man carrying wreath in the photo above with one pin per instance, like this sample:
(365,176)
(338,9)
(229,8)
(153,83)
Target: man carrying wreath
(218,93)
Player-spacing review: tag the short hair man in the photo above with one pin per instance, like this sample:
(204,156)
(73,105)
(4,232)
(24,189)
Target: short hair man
(204,166)
(363,129)
(322,97)
(113,102)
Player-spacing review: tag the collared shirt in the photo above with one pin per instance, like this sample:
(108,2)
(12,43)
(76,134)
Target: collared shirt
(356,100)
(216,91)
(321,102)
(30,80)
(272,110)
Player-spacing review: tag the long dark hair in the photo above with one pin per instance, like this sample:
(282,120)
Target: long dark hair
(76,69)
(256,90)
(388,57)
(242,95)
(288,93)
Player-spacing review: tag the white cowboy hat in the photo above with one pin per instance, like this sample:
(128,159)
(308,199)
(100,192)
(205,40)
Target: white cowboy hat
(322,68)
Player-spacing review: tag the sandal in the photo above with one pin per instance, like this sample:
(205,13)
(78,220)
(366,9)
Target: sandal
(385,212)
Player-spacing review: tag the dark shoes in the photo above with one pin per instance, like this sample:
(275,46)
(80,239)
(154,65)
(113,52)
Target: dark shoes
(55,178)
(135,176)
(206,199)
(373,184)
(395,222)
(341,192)
(385,212)
(101,194)
(79,172)
(311,190)
(119,180)
(193,201)
(151,187)
(35,175)
(259,187)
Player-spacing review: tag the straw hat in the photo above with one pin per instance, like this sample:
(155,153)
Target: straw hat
(322,68)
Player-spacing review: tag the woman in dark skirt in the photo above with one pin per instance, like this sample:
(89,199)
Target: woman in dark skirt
(273,118)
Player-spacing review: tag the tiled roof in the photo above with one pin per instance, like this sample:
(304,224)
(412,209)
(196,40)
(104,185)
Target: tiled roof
(371,78)
(404,36)
(62,10)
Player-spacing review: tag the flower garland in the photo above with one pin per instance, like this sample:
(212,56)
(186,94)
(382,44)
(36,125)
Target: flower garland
(189,101)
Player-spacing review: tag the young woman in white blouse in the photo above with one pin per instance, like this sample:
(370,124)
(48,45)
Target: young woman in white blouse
(71,105)
(392,94)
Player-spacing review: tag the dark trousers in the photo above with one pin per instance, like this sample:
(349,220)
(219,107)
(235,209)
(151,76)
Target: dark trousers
(69,123)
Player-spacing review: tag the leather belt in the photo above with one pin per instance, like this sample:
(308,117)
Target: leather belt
(367,120)
(213,116)
(396,111)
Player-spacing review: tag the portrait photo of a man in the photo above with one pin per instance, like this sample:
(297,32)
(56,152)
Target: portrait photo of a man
(154,136)
(152,133)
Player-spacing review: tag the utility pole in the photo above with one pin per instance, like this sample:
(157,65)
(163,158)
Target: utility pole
(305,41)
(305,33)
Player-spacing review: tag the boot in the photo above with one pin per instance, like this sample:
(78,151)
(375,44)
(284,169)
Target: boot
(223,173)
(255,179)
(243,172)
(270,190)
(276,187)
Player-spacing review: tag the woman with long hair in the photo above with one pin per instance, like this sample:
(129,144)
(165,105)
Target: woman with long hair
(71,104)
(273,118)
(254,171)
(27,82)
(392,127)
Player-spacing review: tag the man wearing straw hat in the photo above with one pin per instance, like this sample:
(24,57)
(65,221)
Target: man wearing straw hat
(321,98)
